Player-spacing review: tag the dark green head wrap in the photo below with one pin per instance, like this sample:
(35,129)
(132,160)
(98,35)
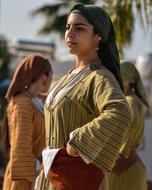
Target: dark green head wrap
(131,74)
(108,51)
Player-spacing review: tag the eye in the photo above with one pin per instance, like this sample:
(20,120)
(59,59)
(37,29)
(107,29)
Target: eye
(67,27)
(75,28)
(79,28)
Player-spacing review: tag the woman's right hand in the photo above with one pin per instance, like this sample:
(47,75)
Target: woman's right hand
(71,151)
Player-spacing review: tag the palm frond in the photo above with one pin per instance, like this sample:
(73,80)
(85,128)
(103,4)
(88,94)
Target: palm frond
(53,23)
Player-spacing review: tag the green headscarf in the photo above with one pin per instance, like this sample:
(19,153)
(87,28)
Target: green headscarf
(131,74)
(108,51)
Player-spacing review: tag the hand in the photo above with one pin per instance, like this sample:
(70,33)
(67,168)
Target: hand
(71,151)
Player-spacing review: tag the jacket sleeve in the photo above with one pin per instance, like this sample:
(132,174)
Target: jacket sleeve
(22,157)
(101,140)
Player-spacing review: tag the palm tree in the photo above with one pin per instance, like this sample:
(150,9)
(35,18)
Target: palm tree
(56,15)
(122,13)
(4,72)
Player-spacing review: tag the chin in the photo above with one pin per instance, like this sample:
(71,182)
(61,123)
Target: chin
(72,51)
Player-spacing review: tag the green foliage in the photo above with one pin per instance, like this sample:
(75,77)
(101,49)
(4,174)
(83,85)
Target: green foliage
(4,59)
(123,16)
(123,20)
(56,15)
(4,72)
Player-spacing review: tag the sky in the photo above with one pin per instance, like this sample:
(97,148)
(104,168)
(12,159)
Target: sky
(16,22)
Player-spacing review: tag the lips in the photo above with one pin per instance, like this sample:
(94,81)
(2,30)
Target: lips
(71,43)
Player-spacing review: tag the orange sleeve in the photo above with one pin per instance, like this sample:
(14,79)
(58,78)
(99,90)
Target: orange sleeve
(22,157)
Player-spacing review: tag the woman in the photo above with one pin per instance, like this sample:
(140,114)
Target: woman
(24,122)
(86,110)
(129,172)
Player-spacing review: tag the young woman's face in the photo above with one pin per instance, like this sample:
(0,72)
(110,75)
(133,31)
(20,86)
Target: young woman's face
(79,36)
(45,82)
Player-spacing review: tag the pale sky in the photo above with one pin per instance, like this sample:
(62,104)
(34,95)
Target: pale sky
(16,22)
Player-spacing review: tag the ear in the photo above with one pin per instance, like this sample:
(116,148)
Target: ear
(99,37)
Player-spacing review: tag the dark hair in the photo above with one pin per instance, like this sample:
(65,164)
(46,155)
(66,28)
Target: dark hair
(107,60)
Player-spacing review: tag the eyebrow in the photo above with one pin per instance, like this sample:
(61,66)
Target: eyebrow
(78,24)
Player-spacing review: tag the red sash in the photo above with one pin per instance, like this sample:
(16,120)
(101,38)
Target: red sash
(72,173)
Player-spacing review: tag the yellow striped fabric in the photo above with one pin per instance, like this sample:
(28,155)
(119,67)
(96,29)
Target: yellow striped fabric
(98,111)
(100,140)
(134,178)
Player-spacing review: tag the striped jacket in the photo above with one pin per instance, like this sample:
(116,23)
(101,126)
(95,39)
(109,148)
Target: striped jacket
(98,113)
(27,140)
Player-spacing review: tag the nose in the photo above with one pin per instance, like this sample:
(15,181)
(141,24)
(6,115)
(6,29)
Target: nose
(70,32)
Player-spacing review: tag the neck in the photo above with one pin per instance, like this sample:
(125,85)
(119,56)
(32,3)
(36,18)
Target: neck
(83,62)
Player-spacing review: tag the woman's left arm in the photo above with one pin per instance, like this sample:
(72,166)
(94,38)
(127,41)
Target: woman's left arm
(22,156)
(100,141)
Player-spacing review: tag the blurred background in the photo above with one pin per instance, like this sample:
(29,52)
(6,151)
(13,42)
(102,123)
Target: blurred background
(38,27)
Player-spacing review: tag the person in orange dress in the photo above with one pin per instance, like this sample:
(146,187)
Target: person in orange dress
(24,131)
